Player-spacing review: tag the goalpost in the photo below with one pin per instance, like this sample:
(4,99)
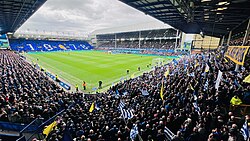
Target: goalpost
(157,62)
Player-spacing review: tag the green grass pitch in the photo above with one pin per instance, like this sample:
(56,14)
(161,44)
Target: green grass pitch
(91,66)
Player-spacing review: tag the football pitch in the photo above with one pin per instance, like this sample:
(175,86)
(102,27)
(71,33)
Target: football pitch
(74,67)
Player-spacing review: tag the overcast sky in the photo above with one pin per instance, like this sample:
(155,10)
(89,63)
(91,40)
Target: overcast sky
(83,16)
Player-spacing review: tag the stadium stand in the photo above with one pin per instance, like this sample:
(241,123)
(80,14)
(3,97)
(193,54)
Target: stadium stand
(238,41)
(25,97)
(199,97)
(46,45)
(149,39)
(26,93)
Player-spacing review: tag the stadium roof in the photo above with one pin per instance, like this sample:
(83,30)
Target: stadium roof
(132,28)
(13,13)
(212,17)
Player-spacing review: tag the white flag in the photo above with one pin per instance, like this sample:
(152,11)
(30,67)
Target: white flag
(218,80)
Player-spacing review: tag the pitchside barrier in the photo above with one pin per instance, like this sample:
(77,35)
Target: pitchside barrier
(61,83)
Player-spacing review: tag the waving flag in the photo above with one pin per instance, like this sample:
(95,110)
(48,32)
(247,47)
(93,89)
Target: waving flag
(168,134)
(162,89)
(49,128)
(134,132)
(196,107)
(245,131)
(127,114)
(121,105)
(247,79)
(92,107)
(206,86)
(97,107)
(218,80)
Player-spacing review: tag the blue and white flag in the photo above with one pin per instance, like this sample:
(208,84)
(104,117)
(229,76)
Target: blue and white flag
(127,114)
(245,131)
(196,107)
(97,107)
(134,132)
(218,80)
(205,86)
(175,62)
(168,134)
(121,105)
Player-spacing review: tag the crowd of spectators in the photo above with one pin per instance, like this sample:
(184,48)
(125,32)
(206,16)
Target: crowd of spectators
(26,92)
(239,42)
(151,44)
(184,86)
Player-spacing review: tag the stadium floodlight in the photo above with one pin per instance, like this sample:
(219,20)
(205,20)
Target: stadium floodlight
(202,35)
(223,3)
(206,17)
(205,0)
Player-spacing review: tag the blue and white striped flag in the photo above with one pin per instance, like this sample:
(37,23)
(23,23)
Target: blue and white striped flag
(245,131)
(196,107)
(121,105)
(205,86)
(127,114)
(168,134)
(134,132)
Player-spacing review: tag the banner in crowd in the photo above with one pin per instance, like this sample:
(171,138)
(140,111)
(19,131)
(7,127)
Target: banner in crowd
(64,85)
(237,54)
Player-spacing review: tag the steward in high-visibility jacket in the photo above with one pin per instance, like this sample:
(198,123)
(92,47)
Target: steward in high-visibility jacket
(235,100)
